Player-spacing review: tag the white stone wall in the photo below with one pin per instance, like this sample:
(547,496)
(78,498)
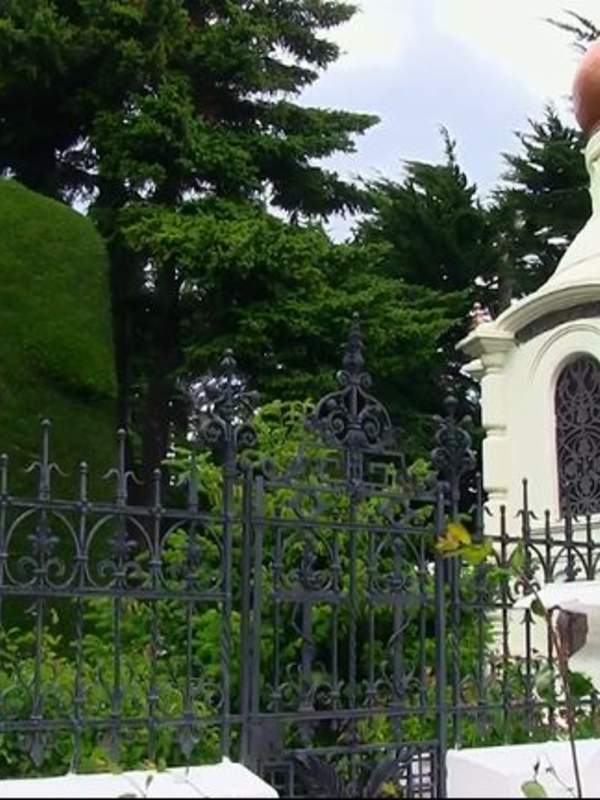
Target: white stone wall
(519,416)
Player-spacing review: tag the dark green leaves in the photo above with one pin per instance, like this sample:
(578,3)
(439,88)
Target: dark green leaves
(543,203)
(580,685)
(176,116)
(436,229)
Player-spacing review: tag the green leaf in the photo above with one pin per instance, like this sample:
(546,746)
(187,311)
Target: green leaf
(533,789)
(447,546)
(458,532)
(476,554)
(538,608)
(580,685)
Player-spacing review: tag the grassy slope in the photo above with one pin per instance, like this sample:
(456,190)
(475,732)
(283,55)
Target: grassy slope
(56,356)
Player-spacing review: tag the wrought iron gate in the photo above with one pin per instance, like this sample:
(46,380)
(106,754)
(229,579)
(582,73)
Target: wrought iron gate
(320,582)
(343,688)
(345,681)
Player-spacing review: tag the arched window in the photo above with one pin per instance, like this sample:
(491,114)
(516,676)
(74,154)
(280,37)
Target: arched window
(577,408)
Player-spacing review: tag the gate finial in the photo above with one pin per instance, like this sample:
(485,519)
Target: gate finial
(453,455)
(351,417)
(222,407)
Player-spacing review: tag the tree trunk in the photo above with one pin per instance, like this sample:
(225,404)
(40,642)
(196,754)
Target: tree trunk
(125,281)
(166,357)
(146,336)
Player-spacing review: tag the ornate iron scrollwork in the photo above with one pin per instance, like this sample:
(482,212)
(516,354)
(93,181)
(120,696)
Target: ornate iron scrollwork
(351,417)
(401,774)
(453,455)
(577,409)
(222,407)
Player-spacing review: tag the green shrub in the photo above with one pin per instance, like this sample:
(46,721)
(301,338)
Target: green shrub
(56,352)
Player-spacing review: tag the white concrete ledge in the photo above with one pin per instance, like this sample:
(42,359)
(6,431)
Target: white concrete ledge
(218,780)
(488,772)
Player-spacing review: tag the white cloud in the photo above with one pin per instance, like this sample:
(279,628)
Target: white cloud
(377,35)
(514,36)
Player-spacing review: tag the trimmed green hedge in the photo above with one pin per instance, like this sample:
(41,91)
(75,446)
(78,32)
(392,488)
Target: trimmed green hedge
(56,351)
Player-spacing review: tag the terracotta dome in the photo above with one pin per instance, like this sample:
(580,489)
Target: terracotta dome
(586,90)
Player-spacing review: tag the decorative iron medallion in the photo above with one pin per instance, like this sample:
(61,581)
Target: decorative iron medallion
(351,417)
(577,408)
(453,456)
(222,408)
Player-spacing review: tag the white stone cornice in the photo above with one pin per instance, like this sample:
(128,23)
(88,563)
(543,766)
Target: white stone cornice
(551,297)
(485,339)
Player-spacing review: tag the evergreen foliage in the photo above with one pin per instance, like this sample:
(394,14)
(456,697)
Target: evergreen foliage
(435,224)
(153,103)
(543,201)
(582,29)
(282,297)
(545,194)
(177,119)
(435,234)
(56,357)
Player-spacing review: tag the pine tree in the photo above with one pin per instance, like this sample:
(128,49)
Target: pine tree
(434,223)
(543,203)
(438,236)
(283,297)
(147,105)
(582,29)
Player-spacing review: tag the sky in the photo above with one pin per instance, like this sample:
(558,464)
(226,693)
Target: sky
(482,68)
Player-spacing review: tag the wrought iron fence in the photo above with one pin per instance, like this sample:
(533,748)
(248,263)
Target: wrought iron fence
(512,695)
(297,618)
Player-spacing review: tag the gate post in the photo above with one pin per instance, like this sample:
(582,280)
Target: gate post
(441,700)
(453,457)
(245,633)
(221,419)
(257,512)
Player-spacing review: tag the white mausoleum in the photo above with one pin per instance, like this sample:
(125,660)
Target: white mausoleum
(539,368)
(538,364)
